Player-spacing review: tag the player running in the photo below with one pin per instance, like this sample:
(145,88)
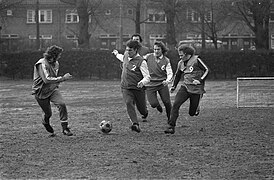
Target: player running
(161,75)
(194,72)
(45,88)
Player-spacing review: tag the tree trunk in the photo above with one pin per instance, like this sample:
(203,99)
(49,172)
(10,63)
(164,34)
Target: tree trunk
(138,15)
(261,33)
(83,39)
(170,27)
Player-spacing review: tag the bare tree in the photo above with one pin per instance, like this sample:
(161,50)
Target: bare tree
(170,11)
(255,13)
(87,12)
(136,5)
(169,7)
(4,6)
(7,4)
(210,19)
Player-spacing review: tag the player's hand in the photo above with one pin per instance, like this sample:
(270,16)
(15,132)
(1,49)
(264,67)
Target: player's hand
(67,76)
(140,85)
(115,52)
(165,83)
(172,89)
(195,81)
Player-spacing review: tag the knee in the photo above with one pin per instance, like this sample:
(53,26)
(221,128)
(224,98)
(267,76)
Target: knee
(62,106)
(175,107)
(167,103)
(129,103)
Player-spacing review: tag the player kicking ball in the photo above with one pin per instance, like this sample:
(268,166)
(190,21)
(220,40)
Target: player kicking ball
(45,88)
(194,72)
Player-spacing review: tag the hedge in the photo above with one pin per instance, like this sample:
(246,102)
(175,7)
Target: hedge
(102,64)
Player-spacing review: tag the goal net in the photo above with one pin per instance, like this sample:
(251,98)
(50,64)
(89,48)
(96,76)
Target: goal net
(255,92)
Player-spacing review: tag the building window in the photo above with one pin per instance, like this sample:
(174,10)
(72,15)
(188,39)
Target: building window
(193,36)
(45,16)
(72,16)
(194,16)
(40,37)
(271,16)
(208,16)
(108,12)
(156,16)
(30,16)
(234,43)
(272,41)
(130,12)
(71,37)
(246,43)
(9,36)
(9,12)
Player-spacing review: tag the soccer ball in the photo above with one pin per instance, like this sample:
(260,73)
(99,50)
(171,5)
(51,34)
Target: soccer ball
(105,126)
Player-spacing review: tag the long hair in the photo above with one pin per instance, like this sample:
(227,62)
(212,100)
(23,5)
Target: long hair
(162,46)
(52,53)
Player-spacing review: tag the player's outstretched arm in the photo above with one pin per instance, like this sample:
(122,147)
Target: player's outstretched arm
(118,56)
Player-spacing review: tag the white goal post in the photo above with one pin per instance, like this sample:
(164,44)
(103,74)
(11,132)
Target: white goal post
(255,92)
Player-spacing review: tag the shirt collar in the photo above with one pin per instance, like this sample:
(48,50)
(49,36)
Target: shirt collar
(134,56)
(161,57)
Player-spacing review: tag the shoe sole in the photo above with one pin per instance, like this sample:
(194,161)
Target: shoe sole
(68,134)
(169,131)
(52,135)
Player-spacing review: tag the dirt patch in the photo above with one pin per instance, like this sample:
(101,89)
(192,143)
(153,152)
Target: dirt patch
(223,142)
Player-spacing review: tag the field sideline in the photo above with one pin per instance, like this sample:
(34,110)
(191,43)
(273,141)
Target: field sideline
(223,142)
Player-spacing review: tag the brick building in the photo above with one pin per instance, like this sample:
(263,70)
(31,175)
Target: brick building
(59,25)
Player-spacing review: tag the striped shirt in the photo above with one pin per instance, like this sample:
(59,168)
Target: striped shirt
(193,69)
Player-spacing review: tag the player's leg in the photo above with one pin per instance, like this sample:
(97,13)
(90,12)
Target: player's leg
(181,96)
(199,106)
(165,96)
(45,106)
(140,99)
(58,100)
(194,103)
(152,98)
(129,99)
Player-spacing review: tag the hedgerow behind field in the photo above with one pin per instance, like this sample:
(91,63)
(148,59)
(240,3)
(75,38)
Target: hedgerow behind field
(102,64)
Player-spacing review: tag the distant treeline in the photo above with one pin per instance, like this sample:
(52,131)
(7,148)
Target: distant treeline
(102,64)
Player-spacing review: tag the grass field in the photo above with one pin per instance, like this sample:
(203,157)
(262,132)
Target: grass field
(223,142)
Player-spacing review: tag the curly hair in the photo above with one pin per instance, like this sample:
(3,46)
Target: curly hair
(188,50)
(133,44)
(162,46)
(53,52)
